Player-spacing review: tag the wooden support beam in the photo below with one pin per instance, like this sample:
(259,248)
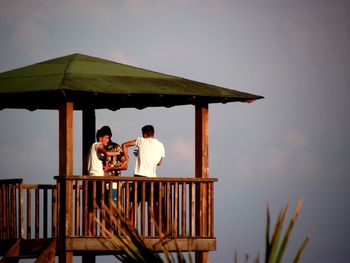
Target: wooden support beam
(201,141)
(201,171)
(66,138)
(65,168)
(89,137)
(105,246)
(48,255)
(12,254)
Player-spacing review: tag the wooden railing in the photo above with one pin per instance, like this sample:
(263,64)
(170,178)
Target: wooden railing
(27,211)
(178,207)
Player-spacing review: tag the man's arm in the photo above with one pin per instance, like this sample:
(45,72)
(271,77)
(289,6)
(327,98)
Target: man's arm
(123,166)
(101,149)
(125,147)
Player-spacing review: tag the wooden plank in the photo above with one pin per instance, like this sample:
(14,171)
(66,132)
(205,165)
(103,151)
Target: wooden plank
(120,204)
(94,208)
(85,208)
(29,214)
(168,208)
(192,210)
(134,208)
(105,246)
(127,201)
(54,213)
(48,255)
(66,139)
(77,209)
(13,210)
(183,210)
(143,202)
(58,207)
(102,208)
(159,222)
(211,210)
(21,211)
(201,170)
(66,168)
(134,179)
(2,207)
(88,135)
(6,214)
(201,141)
(45,213)
(37,219)
(13,250)
(176,209)
(151,215)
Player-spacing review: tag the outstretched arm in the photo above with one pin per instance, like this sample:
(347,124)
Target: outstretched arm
(101,149)
(126,146)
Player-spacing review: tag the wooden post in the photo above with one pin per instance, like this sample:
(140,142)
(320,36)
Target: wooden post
(89,127)
(201,171)
(65,168)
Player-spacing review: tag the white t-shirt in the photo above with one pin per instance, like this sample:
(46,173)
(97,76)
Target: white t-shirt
(95,166)
(150,152)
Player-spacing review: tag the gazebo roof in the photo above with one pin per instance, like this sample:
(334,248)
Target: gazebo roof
(92,82)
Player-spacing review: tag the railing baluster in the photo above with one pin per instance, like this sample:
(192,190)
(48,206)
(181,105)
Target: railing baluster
(168,208)
(135,205)
(176,209)
(143,201)
(192,209)
(183,210)
(94,208)
(211,211)
(150,212)
(127,200)
(54,212)
(29,214)
(6,212)
(2,207)
(37,219)
(85,208)
(120,204)
(45,213)
(77,208)
(13,212)
(21,211)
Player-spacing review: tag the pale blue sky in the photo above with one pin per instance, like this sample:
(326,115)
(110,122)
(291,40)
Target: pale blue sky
(292,144)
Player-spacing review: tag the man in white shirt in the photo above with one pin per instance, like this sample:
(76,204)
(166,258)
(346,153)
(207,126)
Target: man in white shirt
(150,154)
(95,168)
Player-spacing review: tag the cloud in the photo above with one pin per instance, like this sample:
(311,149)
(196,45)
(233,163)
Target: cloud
(245,165)
(120,57)
(290,154)
(36,158)
(275,161)
(181,153)
(295,138)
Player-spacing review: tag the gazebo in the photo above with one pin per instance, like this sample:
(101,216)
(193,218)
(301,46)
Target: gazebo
(85,83)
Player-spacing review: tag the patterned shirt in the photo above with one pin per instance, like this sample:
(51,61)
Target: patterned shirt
(113,161)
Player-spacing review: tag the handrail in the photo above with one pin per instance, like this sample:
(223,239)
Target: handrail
(183,207)
(132,178)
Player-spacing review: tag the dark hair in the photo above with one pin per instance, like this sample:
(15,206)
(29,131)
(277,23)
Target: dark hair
(148,130)
(102,132)
(107,130)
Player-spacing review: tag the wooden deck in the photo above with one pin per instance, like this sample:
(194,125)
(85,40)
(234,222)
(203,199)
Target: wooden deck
(31,215)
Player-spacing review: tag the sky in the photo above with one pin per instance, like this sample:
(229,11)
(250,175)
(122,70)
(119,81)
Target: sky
(293,144)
